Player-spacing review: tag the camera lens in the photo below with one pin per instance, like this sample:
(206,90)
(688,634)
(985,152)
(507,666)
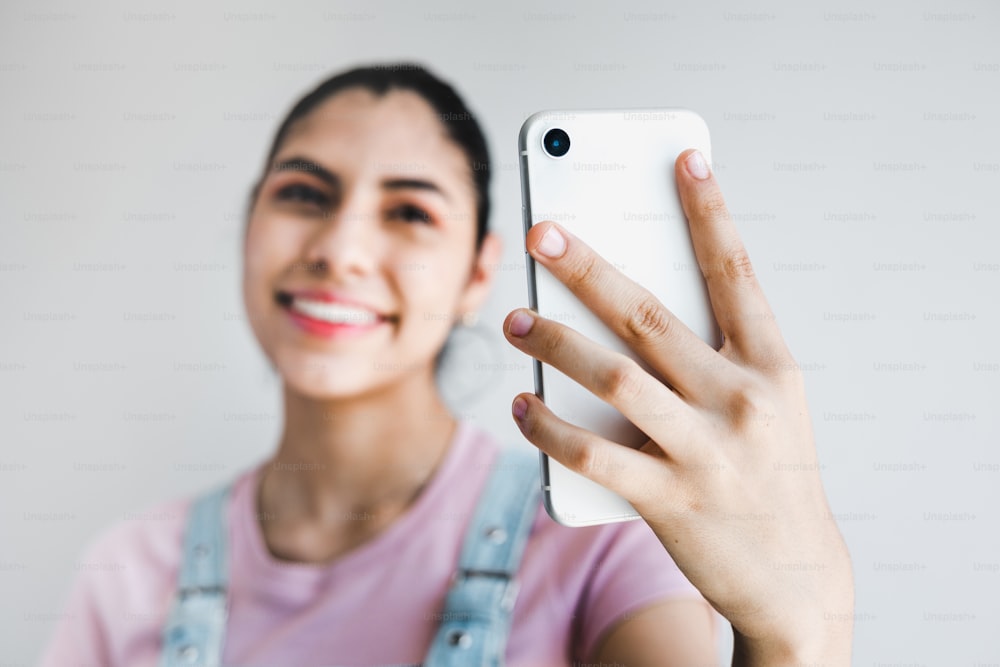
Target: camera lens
(556,142)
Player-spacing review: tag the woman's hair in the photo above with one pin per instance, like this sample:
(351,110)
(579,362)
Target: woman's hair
(459,123)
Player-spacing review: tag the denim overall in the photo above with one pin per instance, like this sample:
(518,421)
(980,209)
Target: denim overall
(476,615)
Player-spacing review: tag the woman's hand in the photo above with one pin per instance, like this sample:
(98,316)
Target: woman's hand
(729,480)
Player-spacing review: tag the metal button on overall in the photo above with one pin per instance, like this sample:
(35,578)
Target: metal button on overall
(460,638)
(496,534)
(188,653)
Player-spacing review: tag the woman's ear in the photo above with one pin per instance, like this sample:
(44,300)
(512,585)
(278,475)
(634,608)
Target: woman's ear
(482,275)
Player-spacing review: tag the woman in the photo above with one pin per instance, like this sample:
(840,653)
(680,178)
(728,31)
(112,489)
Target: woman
(362,540)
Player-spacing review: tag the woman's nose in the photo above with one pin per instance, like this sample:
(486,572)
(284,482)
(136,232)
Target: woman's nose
(347,243)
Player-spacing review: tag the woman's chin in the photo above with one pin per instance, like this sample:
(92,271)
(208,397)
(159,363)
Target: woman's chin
(332,381)
(325,388)
(325,377)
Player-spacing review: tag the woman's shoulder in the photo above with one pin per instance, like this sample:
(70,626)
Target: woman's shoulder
(123,587)
(149,537)
(143,538)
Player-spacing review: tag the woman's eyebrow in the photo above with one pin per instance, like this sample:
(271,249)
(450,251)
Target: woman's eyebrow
(307,165)
(412,184)
(331,179)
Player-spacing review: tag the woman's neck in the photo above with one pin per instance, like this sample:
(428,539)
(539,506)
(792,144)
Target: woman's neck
(367,457)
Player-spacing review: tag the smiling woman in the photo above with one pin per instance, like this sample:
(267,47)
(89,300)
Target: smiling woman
(383,530)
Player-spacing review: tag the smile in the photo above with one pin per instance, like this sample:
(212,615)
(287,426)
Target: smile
(334,313)
(328,319)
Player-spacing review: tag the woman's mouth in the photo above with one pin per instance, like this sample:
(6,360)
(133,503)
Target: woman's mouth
(329,319)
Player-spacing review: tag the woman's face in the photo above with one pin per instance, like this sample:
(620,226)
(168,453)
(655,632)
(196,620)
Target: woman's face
(360,250)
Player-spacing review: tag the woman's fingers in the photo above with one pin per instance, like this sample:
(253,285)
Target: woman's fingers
(742,311)
(613,377)
(632,312)
(630,473)
(731,489)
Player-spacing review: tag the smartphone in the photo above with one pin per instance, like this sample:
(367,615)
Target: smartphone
(608,177)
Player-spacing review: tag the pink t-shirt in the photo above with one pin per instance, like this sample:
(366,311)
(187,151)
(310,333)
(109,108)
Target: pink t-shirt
(377,604)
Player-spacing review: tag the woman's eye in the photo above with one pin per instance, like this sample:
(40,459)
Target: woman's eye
(303,193)
(410,213)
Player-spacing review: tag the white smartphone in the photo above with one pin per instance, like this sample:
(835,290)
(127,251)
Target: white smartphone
(608,177)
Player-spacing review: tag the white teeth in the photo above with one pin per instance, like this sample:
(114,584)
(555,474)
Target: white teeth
(335,313)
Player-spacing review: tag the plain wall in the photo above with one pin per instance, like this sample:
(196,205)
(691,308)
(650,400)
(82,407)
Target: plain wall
(857,144)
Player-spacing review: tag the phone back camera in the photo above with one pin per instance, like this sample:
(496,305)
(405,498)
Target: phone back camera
(556,142)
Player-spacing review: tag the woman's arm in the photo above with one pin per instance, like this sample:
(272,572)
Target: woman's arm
(729,480)
(674,633)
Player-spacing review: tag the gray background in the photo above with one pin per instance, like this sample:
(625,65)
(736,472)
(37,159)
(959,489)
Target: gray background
(857,144)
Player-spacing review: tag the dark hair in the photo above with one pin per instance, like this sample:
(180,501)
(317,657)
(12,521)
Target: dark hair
(459,123)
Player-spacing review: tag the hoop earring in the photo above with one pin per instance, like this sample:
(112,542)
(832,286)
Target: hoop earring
(470,361)
(470,319)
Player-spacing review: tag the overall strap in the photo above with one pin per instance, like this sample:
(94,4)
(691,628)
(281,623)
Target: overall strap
(476,618)
(194,632)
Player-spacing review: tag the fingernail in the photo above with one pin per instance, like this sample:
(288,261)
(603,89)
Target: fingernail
(552,244)
(520,407)
(697,166)
(521,323)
